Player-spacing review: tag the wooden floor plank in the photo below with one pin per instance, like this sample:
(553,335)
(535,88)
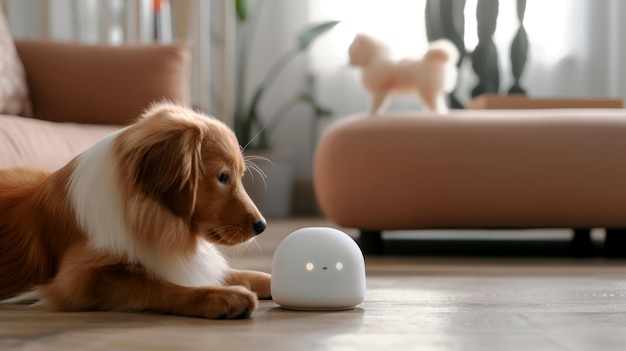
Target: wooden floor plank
(412,303)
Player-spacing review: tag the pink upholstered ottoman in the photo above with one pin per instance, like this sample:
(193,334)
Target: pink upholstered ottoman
(475,169)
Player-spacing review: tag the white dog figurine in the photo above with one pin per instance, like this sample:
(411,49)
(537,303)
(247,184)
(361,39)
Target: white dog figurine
(430,78)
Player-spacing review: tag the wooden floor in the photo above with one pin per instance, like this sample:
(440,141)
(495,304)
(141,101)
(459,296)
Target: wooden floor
(412,303)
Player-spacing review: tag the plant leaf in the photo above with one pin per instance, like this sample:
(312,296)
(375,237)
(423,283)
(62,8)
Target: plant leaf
(308,36)
(319,110)
(242,7)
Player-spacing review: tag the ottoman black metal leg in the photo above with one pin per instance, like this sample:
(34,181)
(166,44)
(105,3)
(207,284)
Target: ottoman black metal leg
(581,244)
(615,243)
(371,242)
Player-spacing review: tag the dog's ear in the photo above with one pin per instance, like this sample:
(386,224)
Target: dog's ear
(170,170)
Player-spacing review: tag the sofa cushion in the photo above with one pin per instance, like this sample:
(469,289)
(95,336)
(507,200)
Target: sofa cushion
(42,144)
(13,90)
(552,168)
(103,84)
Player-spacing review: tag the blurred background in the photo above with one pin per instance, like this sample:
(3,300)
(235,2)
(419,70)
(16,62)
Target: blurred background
(575,48)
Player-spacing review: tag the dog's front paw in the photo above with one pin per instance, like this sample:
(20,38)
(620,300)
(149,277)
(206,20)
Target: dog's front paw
(258,282)
(231,302)
(261,283)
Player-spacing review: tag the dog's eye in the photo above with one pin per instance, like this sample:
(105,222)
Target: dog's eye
(223,178)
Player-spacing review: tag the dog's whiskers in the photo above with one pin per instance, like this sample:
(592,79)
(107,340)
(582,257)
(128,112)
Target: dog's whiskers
(256,245)
(256,168)
(253,167)
(254,137)
(227,233)
(220,232)
(248,247)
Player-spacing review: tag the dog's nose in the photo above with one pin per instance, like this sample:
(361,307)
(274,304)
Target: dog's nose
(259,227)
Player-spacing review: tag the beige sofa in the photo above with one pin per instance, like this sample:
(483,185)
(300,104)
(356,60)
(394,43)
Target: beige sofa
(57,99)
(550,168)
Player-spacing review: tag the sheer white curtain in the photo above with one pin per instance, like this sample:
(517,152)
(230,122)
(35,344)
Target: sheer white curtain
(617,48)
(88,21)
(576,47)
(571,48)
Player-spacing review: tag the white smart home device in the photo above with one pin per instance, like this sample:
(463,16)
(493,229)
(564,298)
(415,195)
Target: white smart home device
(318,268)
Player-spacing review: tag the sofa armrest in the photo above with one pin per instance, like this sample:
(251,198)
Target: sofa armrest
(100,84)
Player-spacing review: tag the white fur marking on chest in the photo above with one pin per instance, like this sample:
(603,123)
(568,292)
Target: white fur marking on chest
(96,197)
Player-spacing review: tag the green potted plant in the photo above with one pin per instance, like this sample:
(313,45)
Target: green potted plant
(250,127)
(272,193)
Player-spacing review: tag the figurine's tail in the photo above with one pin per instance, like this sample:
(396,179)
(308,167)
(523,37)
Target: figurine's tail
(443,51)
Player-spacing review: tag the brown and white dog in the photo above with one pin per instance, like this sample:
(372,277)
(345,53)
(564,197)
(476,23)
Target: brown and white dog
(131,223)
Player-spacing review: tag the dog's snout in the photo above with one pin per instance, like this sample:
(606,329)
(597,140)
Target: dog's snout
(259,227)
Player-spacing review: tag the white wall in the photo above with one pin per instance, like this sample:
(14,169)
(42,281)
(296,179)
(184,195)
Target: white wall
(25,18)
(616,55)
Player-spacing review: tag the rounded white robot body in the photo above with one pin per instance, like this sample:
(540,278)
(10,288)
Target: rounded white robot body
(318,268)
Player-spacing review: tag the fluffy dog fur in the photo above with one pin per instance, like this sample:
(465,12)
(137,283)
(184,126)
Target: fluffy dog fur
(130,224)
(429,78)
